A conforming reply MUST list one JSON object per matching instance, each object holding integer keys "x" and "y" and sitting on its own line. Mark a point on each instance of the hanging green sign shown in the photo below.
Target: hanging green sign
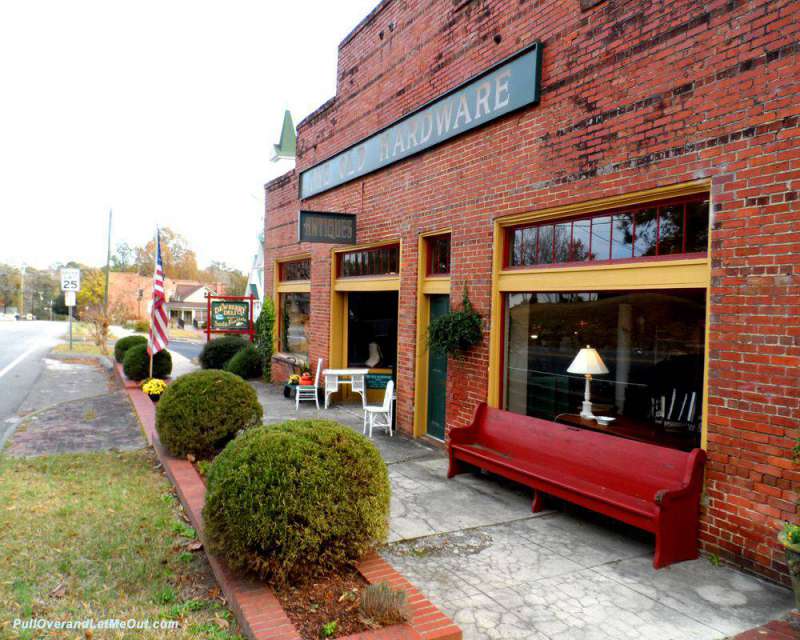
{"x": 230, "y": 315}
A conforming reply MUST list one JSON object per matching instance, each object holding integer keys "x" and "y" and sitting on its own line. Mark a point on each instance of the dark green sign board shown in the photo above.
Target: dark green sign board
{"x": 230, "y": 315}
{"x": 510, "y": 85}
{"x": 377, "y": 380}
{"x": 327, "y": 227}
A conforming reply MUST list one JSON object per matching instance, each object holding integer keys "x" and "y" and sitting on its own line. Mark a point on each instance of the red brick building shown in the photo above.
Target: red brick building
{"x": 638, "y": 193}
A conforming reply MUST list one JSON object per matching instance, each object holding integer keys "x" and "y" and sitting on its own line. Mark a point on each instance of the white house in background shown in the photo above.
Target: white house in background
{"x": 255, "y": 281}
{"x": 188, "y": 306}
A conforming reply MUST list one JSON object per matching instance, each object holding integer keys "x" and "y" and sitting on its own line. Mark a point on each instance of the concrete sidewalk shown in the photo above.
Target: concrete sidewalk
{"x": 472, "y": 545}
{"x": 75, "y": 406}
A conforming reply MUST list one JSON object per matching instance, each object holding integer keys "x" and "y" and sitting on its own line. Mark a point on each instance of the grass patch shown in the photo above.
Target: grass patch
{"x": 86, "y": 348}
{"x": 100, "y": 536}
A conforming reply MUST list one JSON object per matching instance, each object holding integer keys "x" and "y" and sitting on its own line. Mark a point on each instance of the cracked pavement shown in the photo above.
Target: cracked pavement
{"x": 472, "y": 545}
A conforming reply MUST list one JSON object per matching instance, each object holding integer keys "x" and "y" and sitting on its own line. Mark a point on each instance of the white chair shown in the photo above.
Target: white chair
{"x": 380, "y": 415}
{"x": 307, "y": 391}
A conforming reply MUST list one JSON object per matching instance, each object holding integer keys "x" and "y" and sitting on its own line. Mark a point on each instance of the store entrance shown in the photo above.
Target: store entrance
{"x": 437, "y": 375}
{"x": 372, "y": 337}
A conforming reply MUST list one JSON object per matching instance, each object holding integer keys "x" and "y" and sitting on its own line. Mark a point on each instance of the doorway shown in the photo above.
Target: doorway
{"x": 437, "y": 375}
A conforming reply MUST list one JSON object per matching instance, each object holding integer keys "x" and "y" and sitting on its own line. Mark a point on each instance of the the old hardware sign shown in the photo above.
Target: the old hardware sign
{"x": 325, "y": 226}
{"x": 509, "y": 85}
{"x": 230, "y": 314}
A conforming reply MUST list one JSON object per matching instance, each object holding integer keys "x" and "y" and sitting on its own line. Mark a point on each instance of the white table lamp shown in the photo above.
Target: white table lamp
{"x": 588, "y": 363}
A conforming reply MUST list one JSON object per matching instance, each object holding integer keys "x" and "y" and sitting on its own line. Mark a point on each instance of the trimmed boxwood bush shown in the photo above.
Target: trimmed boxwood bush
{"x": 123, "y": 344}
{"x": 297, "y": 500}
{"x": 217, "y": 352}
{"x": 136, "y": 363}
{"x": 246, "y": 363}
{"x": 201, "y": 411}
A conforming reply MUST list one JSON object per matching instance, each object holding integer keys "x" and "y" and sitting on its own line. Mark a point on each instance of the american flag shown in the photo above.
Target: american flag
{"x": 159, "y": 338}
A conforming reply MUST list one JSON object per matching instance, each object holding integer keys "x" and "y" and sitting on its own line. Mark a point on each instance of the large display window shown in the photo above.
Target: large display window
{"x": 295, "y": 315}
{"x": 651, "y": 342}
{"x": 372, "y": 329}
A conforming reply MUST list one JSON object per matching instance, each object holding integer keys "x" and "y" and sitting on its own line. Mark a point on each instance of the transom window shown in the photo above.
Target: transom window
{"x": 439, "y": 255}
{"x": 651, "y": 230}
{"x": 295, "y": 270}
{"x": 375, "y": 261}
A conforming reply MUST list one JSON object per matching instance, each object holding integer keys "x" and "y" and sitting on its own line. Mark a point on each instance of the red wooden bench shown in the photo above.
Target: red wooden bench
{"x": 648, "y": 486}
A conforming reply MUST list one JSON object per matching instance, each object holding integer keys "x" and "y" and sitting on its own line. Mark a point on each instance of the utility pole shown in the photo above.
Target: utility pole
{"x": 22, "y": 291}
{"x": 108, "y": 263}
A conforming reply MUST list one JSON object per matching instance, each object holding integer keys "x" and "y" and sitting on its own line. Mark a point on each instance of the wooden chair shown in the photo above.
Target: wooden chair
{"x": 380, "y": 415}
{"x": 307, "y": 391}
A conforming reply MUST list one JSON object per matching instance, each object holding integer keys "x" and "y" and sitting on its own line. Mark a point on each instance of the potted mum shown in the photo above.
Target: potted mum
{"x": 289, "y": 388}
{"x": 154, "y": 388}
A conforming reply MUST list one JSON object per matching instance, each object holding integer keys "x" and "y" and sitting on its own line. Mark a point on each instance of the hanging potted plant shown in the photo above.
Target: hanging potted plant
{"x": 456, "y": 332}
{"x": 154, "y": 388}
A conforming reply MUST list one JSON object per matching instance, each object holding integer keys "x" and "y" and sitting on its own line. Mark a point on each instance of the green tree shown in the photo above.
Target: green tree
{"x": 234, "y": 280}
{"x": 265, "y": 336}
{"x": 9, "y": 286}
{"x": 123, "y": 258}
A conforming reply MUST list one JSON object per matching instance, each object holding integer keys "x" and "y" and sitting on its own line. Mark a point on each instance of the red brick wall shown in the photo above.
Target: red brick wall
{"x": 635, "y": 94}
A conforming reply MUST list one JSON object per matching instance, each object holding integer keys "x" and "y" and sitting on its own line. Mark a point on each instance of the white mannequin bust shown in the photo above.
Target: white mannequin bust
{"x": 374, "y": 355}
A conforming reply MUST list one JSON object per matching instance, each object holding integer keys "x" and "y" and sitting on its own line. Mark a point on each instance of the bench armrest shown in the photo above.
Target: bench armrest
{"x": 467, "y": 435}
{"x": 671, "y": 495}
{"x": 692, "y": 480}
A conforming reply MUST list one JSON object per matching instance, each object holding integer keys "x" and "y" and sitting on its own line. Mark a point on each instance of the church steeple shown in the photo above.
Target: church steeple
{"x": 286, "y": 146}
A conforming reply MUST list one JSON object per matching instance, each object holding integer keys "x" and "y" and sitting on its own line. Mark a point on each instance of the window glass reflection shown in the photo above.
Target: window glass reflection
{"x": 652, "y": 343}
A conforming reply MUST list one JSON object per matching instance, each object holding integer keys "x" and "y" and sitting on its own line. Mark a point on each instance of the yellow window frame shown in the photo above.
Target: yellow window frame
{"x": 288, "y": 286}
{"x": 666, "y": 273}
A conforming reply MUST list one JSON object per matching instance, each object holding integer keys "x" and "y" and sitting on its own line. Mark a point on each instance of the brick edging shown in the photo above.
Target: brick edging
{"x": 257, "y": 610}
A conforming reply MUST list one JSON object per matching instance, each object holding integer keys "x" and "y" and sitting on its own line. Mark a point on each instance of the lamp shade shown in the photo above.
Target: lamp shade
{"x": 587, "y": 361}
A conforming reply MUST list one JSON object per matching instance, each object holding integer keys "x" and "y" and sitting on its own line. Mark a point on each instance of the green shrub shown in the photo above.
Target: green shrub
{"x": 123, "y": 344}
{"x": 136, "y": 363}
{"x": 201, "y": 411}
{"x": 217, "y": 352}
{"x": 297, "y": 500}
{"x": 142, "y": 326}
{"x": 246, "y": 363}
{"x": 265, "y": 336}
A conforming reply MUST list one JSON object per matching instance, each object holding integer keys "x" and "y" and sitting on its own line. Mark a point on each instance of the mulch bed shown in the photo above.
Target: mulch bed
{"x": 324, "y": 601}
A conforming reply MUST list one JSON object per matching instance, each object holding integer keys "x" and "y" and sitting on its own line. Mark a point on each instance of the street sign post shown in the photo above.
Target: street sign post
{"x": 70, "y": 285}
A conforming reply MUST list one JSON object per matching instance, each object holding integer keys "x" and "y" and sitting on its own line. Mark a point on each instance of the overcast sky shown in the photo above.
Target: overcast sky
{"x": 165, "y": 111}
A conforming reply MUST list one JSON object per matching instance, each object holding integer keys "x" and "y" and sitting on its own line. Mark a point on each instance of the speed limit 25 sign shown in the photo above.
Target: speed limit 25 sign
{"x": 70, "y": 279}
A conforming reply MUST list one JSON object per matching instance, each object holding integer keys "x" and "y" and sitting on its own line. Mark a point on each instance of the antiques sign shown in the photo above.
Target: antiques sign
{"x": 228, "y": 315}
{"x": 506, "y": 87}
{"x": 324, "y": 226}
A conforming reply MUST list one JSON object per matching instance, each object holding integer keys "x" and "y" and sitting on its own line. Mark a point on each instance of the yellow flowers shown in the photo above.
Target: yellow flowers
{"x": 154, "y": 387}
{"x": 294, "y": 379}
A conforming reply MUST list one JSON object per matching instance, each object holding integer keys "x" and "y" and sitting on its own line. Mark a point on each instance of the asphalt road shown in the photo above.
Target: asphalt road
{"x": 187, "y": 349}
{"x": 22, "y": 347}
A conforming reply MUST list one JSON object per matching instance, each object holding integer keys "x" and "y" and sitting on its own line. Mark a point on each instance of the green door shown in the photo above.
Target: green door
{"x": 437, "y": 375}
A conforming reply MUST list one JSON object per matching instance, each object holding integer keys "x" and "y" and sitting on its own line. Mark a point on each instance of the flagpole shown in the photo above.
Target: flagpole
{"x": 152, "y": 301}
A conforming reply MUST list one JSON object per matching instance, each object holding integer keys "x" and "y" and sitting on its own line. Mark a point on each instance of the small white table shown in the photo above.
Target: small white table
{"x": 354, "y": 377}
